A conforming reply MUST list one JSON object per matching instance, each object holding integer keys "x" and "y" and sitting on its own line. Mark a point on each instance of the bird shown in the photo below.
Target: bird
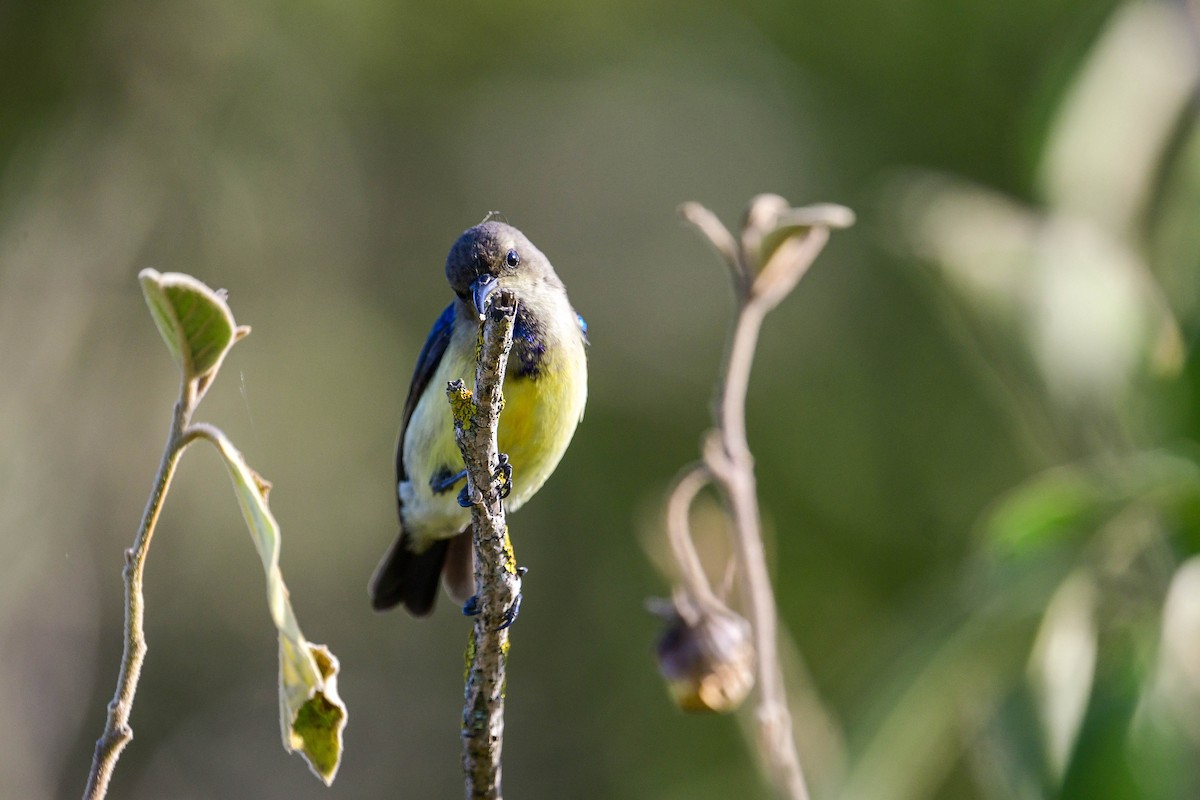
{"x": 545, "y": 391}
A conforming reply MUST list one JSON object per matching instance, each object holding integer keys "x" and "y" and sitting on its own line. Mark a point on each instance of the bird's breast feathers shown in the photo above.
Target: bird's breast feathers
{"x": 544, "y": 396}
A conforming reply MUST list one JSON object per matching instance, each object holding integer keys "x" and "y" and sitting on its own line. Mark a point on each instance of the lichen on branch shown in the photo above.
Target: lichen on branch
{"x": 497, "y": 579}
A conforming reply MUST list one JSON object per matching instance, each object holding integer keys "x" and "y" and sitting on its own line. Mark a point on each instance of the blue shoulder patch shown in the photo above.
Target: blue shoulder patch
{"x": 582, "y": 327}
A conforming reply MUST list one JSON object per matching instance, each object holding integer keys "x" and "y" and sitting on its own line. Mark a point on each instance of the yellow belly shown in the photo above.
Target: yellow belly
{"x": 536, "y": 425}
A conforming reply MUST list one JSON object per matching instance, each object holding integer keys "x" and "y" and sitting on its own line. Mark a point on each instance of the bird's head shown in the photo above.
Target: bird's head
{"x": 492, "y": 256}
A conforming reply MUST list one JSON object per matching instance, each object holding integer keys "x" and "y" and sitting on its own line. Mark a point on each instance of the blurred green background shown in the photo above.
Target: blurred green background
{"x": 972, "y": 422}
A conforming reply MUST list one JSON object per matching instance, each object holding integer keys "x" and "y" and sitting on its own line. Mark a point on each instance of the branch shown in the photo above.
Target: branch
{"x": 679, "y": 503}
{"x": 198, "y": 329}
{"x": 497, "y": 580}
{"x": 777, "y": 246}
{"x": 117, "y": 732}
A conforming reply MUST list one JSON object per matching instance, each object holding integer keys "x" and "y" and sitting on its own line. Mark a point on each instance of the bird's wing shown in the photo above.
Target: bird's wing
{"x": 427, "y": 364}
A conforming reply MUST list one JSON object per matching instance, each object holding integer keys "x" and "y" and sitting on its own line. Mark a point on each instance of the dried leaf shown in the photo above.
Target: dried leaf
{"x": 312, "y": 715}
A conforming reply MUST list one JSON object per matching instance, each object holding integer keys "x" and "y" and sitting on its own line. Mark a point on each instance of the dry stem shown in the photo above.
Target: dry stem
{"x": 497, "y": 582}
{"x": 117, "y": 731}
{"x": 728, "y": 462}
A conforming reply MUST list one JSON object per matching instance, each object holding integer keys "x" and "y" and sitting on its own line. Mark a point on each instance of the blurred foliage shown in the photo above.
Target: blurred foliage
{"x": 973, "y": 424}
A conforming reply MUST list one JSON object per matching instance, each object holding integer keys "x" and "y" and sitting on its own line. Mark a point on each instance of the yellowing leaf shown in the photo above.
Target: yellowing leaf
{"x": 312, "y": 715}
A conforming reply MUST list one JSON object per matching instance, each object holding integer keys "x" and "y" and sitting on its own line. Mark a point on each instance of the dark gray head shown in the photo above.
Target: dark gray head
{"x": 494, "y": 256}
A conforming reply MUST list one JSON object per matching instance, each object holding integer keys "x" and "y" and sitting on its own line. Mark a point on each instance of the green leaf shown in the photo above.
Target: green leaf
{"x": 194, "y": 321}
{"x": 312, "y": 715}
{"x": 1048, "y": 508}
{"x": 1068, "y": 503}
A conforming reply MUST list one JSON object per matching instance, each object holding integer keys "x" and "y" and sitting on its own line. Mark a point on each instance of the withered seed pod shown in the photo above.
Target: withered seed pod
{"x": 705, "y": 654}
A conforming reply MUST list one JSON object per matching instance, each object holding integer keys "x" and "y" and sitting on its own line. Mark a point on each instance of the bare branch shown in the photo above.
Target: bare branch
{"x": 117, "y": 731}
{"x": 497, "y": 581}
{"x": 679, "y": 531}
{"x": 776, "y": 247}
{"x": 721, "y": 240}
{"x": 733, "y": 470}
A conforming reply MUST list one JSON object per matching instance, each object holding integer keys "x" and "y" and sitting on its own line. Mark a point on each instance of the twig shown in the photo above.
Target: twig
{"x": 776, "y": 248}
{"x": 117, "y": 732}
{"x": 733, "y": 469}
{"x": 497, "y": 581}
{"x": 198, "y": 328}
{"x": 679, "y": 503}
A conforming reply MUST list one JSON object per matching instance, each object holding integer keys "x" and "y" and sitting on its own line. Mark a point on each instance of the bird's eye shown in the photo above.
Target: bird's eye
{"x": 512, "y": 259}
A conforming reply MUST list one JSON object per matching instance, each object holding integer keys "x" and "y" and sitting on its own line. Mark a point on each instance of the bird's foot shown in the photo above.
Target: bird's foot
{"x": 510, "y": 613}
{"x": 503, "y": 475}
{"x": 472, "y": 609}
{"x": 444, "y": 481}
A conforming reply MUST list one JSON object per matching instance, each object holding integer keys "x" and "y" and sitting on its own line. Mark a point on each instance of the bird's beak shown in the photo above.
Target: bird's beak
{"x": 481, "y": 289}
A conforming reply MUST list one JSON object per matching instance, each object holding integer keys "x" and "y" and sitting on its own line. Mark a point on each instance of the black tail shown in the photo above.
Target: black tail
{"x": 407, "y": 577}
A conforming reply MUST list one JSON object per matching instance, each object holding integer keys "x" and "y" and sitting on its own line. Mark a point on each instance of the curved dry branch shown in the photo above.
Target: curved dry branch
{"x": 776, "y": 247}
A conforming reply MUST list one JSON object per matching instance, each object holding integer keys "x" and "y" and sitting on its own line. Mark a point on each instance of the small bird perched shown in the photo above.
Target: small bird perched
{"x": 545, "y": 390}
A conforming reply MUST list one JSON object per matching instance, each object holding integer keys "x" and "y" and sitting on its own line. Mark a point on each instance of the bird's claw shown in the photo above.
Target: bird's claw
{"x": 503, "y": 475}
{"x": 472, "y": 608}
{"x": 510, "y": 613}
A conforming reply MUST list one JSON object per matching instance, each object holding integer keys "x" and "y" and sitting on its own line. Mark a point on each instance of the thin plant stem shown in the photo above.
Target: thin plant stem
{"x": 679, "y": 503}
{"x": 777, "y": 246}
{"x": 731, "y": 407}
{"x": 117, "y": 731}
{"x": 733, "y": 468}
